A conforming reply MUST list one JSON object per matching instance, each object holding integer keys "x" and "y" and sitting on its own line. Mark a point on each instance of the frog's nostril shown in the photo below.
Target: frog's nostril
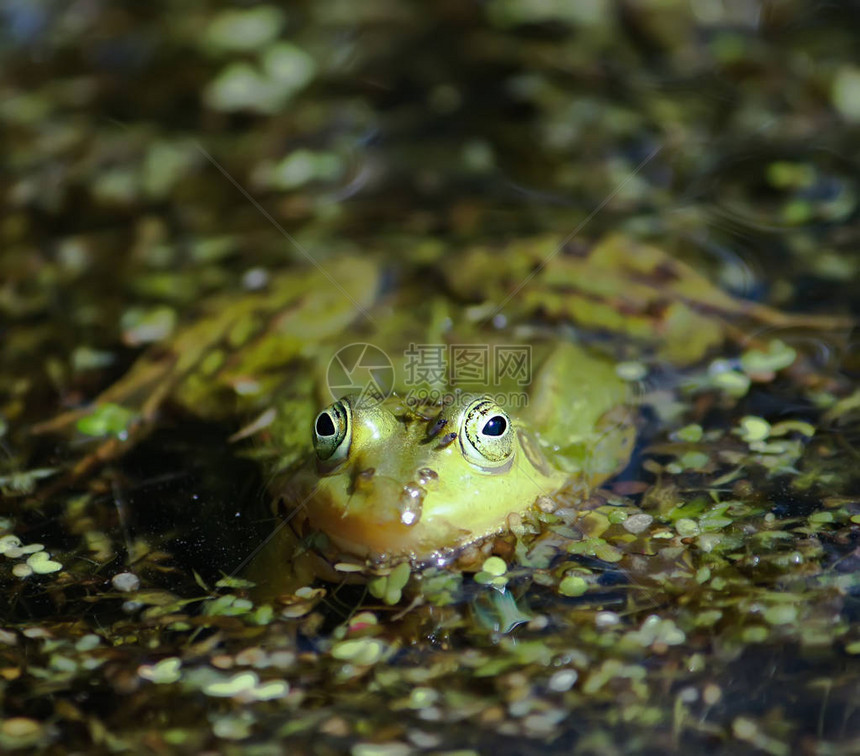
{"x": 363, "y": 480}
{"x": 435, "y": 429}
{"x": 427, "y": 475}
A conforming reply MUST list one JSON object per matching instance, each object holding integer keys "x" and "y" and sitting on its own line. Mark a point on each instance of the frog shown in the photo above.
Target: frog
{"x": 412, "y": 481}
{"x": 394, "y": 478}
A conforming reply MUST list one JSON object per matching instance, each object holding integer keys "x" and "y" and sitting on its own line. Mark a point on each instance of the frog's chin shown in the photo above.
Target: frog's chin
{"x": 382, "y": 538}
{"x": 374, "y": 530}
{"x": 376, "y": 523}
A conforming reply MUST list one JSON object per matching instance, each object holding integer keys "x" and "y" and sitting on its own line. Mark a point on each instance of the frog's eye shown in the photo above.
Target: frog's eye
{"x": 332, "y": 432}
{"x": 487, "y": 434}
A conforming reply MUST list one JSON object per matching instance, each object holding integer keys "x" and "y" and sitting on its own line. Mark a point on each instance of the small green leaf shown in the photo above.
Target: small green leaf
{"x": 163, "y": 673}
{"x": 690, "y": 433}
{"x": 107, "y": 420}
{"x": 572, "y": 585}
{"x": 363, "y": 651}
{"x": 495, "y": 566}
{"x": 754, "y": 429}
{"x": 777, "y": 356}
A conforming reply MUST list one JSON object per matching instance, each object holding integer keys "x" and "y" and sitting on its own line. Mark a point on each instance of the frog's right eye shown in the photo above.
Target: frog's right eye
{"x": 332, "y": 432}
{"x": 487, "y": 437}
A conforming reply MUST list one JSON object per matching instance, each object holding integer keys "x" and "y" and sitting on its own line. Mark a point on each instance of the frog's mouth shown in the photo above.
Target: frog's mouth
{"x": 384, "y": 519}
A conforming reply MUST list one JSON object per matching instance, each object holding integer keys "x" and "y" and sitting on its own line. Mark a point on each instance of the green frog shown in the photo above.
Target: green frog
{"x": 395, "y": 478}
{"x": 400, "y": 477}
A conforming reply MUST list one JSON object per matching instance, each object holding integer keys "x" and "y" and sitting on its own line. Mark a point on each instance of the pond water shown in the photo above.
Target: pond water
{"x": 204, "y": 203}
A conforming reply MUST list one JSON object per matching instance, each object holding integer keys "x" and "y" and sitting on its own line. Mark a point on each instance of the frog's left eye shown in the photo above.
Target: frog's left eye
{"x": 487, "y": 434}
{"x": 332, "y": 432}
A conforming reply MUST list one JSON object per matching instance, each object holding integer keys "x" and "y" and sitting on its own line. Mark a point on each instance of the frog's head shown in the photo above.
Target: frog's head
{"x": 393, "y": 480}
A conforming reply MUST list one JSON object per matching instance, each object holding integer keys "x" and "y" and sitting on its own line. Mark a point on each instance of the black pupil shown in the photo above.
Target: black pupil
{"x": 495, "y": 426}
{"x": 325, "y": 425}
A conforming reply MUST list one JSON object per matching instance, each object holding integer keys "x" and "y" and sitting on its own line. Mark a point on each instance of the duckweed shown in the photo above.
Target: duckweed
{"x": 107, "y": 420}
{"x": 164, "y": 672}
{"x": 390, "y": 587}
{"x": 164, "y": 161}
{"x": 364, "y": 651}
{"x": 42, "y": 564}
{"x": 572, "y": 585}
